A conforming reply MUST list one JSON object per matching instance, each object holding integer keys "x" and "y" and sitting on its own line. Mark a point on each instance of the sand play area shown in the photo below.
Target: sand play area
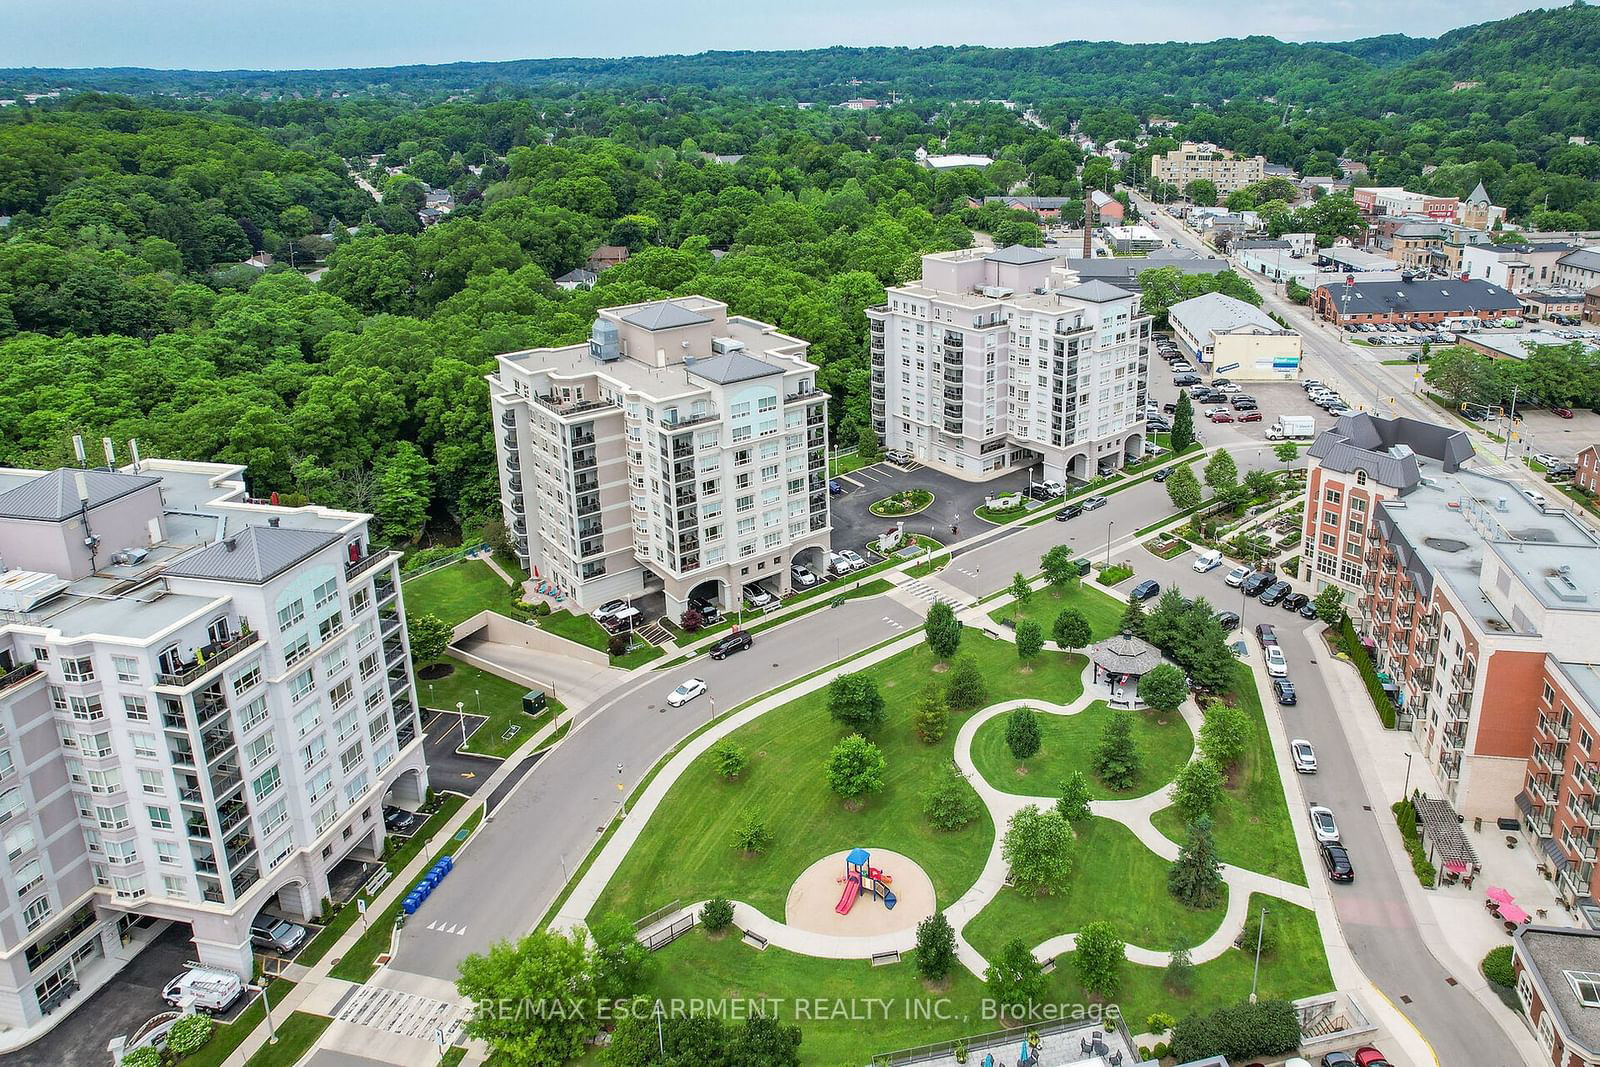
{"x": 815, "y": 895}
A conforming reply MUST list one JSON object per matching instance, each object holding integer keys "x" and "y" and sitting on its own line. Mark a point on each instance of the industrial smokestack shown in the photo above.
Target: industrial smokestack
{"x": 1088, "y": 223}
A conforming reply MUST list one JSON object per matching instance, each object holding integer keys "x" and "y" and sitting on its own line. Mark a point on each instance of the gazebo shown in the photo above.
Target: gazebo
{"x": 1119, "y": 663}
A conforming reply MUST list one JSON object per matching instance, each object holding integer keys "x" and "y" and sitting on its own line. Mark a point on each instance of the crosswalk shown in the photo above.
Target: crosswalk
{"x": 923, "y": 591}
{"x": 405, "y": 1014}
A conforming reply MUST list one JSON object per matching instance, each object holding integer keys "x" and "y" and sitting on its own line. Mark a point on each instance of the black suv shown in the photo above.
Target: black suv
{"x": 1228, "y": 620}
{"x": 1336, "y": 861}
{"x": 1254, "y": 584}
{"x": 1284, "y": 690}
{"x": 1275, "y": 593}
{"x": 1069, "y": 511}
{"x": 734, "y": 642}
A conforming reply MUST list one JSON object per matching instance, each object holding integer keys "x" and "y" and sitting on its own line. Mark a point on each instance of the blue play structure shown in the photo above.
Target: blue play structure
{"x": 429, "y": 882}
{"x": 861, "y": 877}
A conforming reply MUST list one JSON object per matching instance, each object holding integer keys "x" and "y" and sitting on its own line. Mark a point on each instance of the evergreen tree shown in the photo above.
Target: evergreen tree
{"x": 1116, "y": 761}
{"x": 1074, "y": 802}
{"x": 966, "y": 689}
{"x": 932, "y": 718}
{"x": 1132, "y": 621}
{"x": 942, "y": 630}
{"x": 1195, "y": 877}
{"x": 1022, "y": 733}
{"x": 1183, "y": 422}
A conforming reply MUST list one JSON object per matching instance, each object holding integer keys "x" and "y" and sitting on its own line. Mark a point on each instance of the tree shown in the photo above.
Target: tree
{"x": 1038, "y": 849}
{"x": 1097, "y": 958}
{"x": 1116, "y": 760}
{"x": 1030, "y": 640}
{"x": 1182, "y": 435}
{"x": 932, "y": 717}
{"x": 717, "y": 915}
{"x": 1164, "y": 688}
{"x": 1073, "y": 804}
{"x": 1222, "y": 473}
{"x": 1133, "y": 618}
{"x": 855, "y": 768}
{"x": 936, "y": 948}
{"x": 1071, "y": 629}
{"x": 1198, "y": 789}
{"x": 854, "y": 701}
{"x": 622, "y": 964}
{"x": 950, "y": 802}
{"x": 1287, "y": 452}
{"x": 729, "y": 758}
{"x": 402, "y": 486}
{"x": 1014, "y": 977}
{"x": 1202, "y": 191}
{"x": 1022, "y": 733}
{"x": 692, "y": 621}
{"x": 1183, "y": 488}
{"x": 1330, "y": 605}
{"x": 429, "y": 637}
{"x": 542, "y": 968}
{"x": 1195, "y": 877}
{"x": 1239, "y": 1032}
{"x": 1021, "y": 591}
{"x": 967, "y": 689}
{"x": 1224, "y": 733}
{"x": 641, "y": 1039}
{"x": 942, "y": 630}
{"x": 1179, "y": 976}
{"x": 1059, "y": 570}
{"x": 751, "y": 836}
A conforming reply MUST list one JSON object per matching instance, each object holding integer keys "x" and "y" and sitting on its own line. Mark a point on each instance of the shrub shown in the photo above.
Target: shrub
{"x": 1369, "y": 674}
{"x": 142, "y": 1057}
{"x": 1405, "y": 816}
{"x": 1254, "y": 927}
{"x": 542, "y": 608}
{"x": 717, "y": 915}
{"x": 1497, "y": 967}
{"x": 730, "y": 759}
{"x": 1240, "y": 1032}
{"x": 691, "y": 621}
{"x": 618, "y": 644}
{"x": 950, "y": 803}
{"x": 1073, "y": 803}
{"x": 752, "y": 835}
{"x": 189, "y": 1033}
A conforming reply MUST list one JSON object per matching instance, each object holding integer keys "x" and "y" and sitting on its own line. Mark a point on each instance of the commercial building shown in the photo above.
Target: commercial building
{"x": 1413, "y": 300}
{"x": 1518, "y": 267}
{"x": 1236, "y": 339}
{"x": 1192, "y": 162}
{"x": 203, "y": 702}
{"x": 680, "y": 448}
{"x": 1124, "y": 271}
{"x": 1108, "y": 210}
{"x": 1517, "y": 345}
{"x": 1393, "y": 200}
{"x": 1558, "y": 987}
{"x": 1579, "y": 270}
{"x": 1591, "y": 305}
{"x": 1135, "y": 238}
{"x": 1552, "y": 303}
{"x": 995, "y": 360}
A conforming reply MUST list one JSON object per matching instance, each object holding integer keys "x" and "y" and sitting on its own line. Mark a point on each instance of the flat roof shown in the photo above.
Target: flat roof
{"x": 1552, "y": 953}
{"x": 1515, "y": 345}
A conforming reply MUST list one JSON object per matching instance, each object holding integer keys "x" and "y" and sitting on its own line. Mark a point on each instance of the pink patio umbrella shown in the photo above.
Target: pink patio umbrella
{"x": 1498, "y": 895}
{"x": 1513, "y": 914}
{"x": 1456, "y": 867}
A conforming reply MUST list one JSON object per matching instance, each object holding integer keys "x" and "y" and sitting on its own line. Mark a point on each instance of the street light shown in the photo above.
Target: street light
{"x": 1109, "y": 524}
{"x": 1405, "y": 790}
{"x": 272, "y": 1027}
{"x": 1261, "y": 928}
{"x": 461, "y": 711}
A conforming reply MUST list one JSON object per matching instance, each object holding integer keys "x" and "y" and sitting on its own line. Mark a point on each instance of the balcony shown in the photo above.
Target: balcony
{"x": 510, "y": 441}
{"x": 513, "y": 464}
{"x": 876, "y": 325}
{"x": 207, "y": 660}
{"x": 953, "y": 427}
{"x": 877, "y": 376}
{"x": 580, "y": 438}
{"x": 18, "y": 675}
{"x": 217, "y": 745}
{"x": 232, "y": 815}
{"x": 240, "y": 849}
{"x": 588, "y": 505}
{"x": 567, "y": 408}
{"x": 182, "y": 756}
{"x": 584, "y": 459}
{"x": 198, "y": 829}
{"x": 803, "y": 395}
{"x": 244, "y": 878}
{"x": 384, "y": 589}
{"x": 406, "y": 733}
{"x": 518, "y": 507}
{"x": 694, "y": 418}
{"x": 508, "y": 419}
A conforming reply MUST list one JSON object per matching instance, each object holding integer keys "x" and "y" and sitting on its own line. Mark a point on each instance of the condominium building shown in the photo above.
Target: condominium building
{"x": 998, "y": 359}
{"x": 1191, "y": 162}
{"x": 680, "y": 448}
{"x": 203, "y": 702}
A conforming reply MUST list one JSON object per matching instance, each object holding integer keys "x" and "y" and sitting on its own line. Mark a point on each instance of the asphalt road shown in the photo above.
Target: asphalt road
{"x": 504, "y": 883}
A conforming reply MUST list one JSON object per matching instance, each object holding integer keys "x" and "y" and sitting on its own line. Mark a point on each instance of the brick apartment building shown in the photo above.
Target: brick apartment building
{"x": 1558, "y": 987}
{"x": 1413, "y": 300}
{"x": 1588, "y": 464}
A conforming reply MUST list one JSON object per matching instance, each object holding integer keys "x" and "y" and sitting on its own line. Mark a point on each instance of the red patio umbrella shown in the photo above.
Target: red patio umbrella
{"x": 1513, "y": 914}
{"x": 1498, "y": 895}
{"x": 1456, "y": 867}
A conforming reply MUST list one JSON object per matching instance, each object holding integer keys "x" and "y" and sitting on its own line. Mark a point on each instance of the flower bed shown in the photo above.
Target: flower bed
{"x": 905, "y": 502}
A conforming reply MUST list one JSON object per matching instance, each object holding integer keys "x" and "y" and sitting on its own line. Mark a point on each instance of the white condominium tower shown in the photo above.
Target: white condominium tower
{"x": 997, "y": 359}
{"x": 680, "y": 448}
{"x": 203, "y": 702}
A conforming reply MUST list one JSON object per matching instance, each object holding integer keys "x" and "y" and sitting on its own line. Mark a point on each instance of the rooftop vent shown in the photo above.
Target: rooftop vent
{"x": 724, "y": 345}
{"x": 22, "y": 591}
{"x": 1562, "y": 585}
{"x": 997, "y": 292}
{"x": 1502, "y": 504}
{"x": 604, "y": 344}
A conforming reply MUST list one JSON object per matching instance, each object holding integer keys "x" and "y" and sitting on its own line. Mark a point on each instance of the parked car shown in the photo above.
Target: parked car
{"x": 1221, "y": 416}
{"x": 1294, "y": 602}
{"x": 1105, "y": 468}
{"x": 1323, "y": 825}
{"x": 1254, "y": 584}
{"x": 1277, "y": 662}
{"x": 1304, "y": 756}
{"x": 1336, "y": 861}
{"x": 1547, "y": 459}
{"x": 1169, "y": 408}
{"x": 1311, "y": 383}
{"x": 1226, "y": 386}
{"x": 707, "y": 609}
{"x": 609, "y": 610}
{"x": 1266, "y": 634}
{"x": 1273, "y": 595}
{"x": 1039, "y": 491}
{"x": 1228, "y": 620}
{"x": 1069, "y": 511}
{"x": 1163, "y": 474}
{"x": 691, "y": 688}
{"x": 802, "y": 576}
{"x": 834, "y": 487}
{"x": 206, "y": 990}
{"x": 1208, "y": 560}
{"x": 1090, "y": 503}
{"x": 758, "y": 597}
{"x": 737, "y": 641}
{"x": 1283, "y": 689}
{"x": 1308, "y": 610}
{"x": 898, "y": 456}
{"x": 854, "y": 557}
{"x": 1367, "y": 1056}
{"x": 1157, "y": 424}
{"x": 1536, "y": 498}
{"x": 277, "y": 934}
{"x": 839, "y": 563}
{"x": 1185, "y": 379}
{"x": 1250, "y": 415}
{"x": 1145, "y": 590}
{"x": 1237, "y": 576}
{"x": 1561, "y": 413}
{"x": 398, "y": 820}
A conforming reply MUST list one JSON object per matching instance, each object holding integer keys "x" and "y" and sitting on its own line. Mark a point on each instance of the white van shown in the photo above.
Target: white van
{"x": 1208, "y": 560}
{"x": 203, "y": 989}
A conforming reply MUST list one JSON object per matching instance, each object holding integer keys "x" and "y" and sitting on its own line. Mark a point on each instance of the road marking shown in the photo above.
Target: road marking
{"x": 852, "y": 481}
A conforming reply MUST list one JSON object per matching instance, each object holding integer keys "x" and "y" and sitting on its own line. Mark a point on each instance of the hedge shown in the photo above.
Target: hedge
{"x": 1239, "y": 1031}
{"x": 1405, "y": 817}
{"x": 1369, "y": 674}
{"x": 1497, "y": 967}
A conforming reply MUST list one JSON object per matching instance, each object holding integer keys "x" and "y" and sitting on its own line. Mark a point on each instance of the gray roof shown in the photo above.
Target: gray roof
{"x": 664, "y": 315}
{"x": 1419, "y": 229}
{"x": 1219, "y": 313}
{"x": 1583, "y": 259}
{"x": 1260, "y": 242}
{"x": 1125, "y": 654}
{"x": 1479, "y": 195}
{"x": 730, "y": 367}
{"x": 1387, "y": 449}
{"x": 1550, "y": 952}
{"x": 53, "y": 496}
{"x": 1019, "y": 255}
{"x": 255, "y": 554}
{"x": 1423, "y": 296}
{"x": 1038, "y": 203}
{"x": 1096, "y": 292}
{"x": 1124, "y": 271}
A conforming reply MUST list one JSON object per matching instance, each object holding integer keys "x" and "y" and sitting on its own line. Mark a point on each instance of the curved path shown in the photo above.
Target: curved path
{"x": 1133, "y": 813}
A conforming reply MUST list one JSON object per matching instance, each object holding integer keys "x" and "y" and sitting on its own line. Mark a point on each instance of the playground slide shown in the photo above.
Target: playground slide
{"x": 852, "y": 889}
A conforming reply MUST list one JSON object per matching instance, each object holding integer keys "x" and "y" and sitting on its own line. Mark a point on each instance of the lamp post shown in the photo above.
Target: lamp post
{"x": 461, "y": 713}
{"x": 1109, "y": 524}
{"x": 1405, "y": 790}
{"x": 1261, "y": 928}
{"x": 661, "y": 1044}
{"x": 272, "y": 1027}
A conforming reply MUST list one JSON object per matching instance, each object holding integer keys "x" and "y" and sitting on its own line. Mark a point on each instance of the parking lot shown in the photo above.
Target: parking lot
{"x": 1273, "y": 399}
{"x": 953, "y": 502}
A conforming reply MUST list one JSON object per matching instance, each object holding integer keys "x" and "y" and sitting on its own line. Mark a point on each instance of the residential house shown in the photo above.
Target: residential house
{"x": 604, "y": 257}
{"x": 1588, "y": 464}
{"x": 1108, "y": 209}
{"x": 1591, "y": 305}
{"x": 577, "y": 278}
{"x": 1558, "y": 987}
{"x": 1045, "y": 207}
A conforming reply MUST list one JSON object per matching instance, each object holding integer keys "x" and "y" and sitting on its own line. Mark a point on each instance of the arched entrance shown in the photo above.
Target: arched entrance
{"x": 1078, "y": 467}
{"x": 408, "y": 790}
{"x": 1133, "y": 447}
{"x": 814, "y": 558}
{"x": 712, "y": 592}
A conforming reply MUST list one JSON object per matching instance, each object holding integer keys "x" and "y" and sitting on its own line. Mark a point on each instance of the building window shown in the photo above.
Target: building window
{"x": 126, "y": 667}
{"x": 1549, "y": 694}
{"x": 290, "y": 614}
{"x": 160, "y": 818}
{"x": 136, "y": 708}
{"x": 246, "y": 679}
{"x": 325, "y": 593}
{"x": 78, "y": 669}
{"x": 267, "y": 783}
{"x": 253, "y": 714}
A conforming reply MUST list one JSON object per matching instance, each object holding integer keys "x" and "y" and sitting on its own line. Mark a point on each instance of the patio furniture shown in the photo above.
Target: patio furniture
{"x": 1498, "y": 895}
{"x": 1511, "y": 841}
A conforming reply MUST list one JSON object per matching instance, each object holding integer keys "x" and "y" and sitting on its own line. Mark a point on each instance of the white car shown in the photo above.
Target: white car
{"x": 758, "y": 597}
{"x": 1537, "y": 498}
{"x": 1237, "y": 576}
{"x": 1323, "y": 825}
{"x": 1548, "y": 459}
{"x": 1277, "y": 662}
{"x": 839, "y": 563}
{"x": 1230, "y": 387}
{"x": 1305, "y": 757}
{"x": 1208, "y": 560}
{"x": 802, "y": 577}
{"x": 686, "y": 692}
{"x": 855, "y": 560}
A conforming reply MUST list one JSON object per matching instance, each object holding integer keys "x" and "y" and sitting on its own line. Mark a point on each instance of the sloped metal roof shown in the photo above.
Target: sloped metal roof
{"x": 53, "y": 496}
{"x": 730, "y": 367}
{"x": 664, "y": 316}
{"x": 254, "y": 555}
{"x": 1019, "y": 255}
{"x": 1096, "y": 292}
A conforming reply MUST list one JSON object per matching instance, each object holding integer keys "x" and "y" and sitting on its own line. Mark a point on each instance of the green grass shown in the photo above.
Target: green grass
{"x": 1068, "y": 744}
{"x": 1114, "y": 574}
{"x": 686, "y": 851}
{"x": 1103, "y": 613}
{"x": 459, "y": 591}
{"x": 579, "y": 628}
{"x": 844, "y": 464}
{"x": 498, "y": 698}
{"x": 295, "y": 1038}
{"x": 1176, "y": 547}
{"x": 358, "y": 964}
{"x": 1000, "y": 516}
{"x": 905, "y": 502}
{"x": 453, "y": 1057}
{"x": 229, "y": 1036}
{"x": 1252, "y": 821}
{"x": 1114, "y": 877}
{"x": 641, "y": 654}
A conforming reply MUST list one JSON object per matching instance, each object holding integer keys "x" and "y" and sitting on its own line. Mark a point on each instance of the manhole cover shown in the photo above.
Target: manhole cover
{"x": 1366, "y": 807}
{"x": 1404, "y": 999}
{"x": 1449, "y": 981}
{"x": 774, "y": 664}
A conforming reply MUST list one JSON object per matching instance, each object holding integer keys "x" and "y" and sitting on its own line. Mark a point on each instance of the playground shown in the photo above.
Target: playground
{"x": 840, "y": 894}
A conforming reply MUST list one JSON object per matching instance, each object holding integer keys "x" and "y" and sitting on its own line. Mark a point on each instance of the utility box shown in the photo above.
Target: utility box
{"x": 533, "y": 701}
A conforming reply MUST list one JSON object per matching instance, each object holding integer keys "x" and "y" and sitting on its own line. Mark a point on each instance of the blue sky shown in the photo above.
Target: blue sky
{"x": 278, "y": 34}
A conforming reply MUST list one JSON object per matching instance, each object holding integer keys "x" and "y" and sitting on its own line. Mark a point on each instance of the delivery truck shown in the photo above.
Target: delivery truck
{"x": 1292, "y": 428}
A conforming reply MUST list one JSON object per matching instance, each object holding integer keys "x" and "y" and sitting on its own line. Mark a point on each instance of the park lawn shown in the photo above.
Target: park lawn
{"x": 1103, "y": 612}
{"x": 295, "y": 1038}
{"x": 1114, "y": 877}
{"x": 229, "y": 1036}
{"x": 490, "y": 695}
{"x": 1068, "y": 743}
{"x": 458, "y": 592}
{"x": 1251, "y": 823}
{"x": 686, "y": 851}
{"x": 852, "y": 461}
{"x": 580, "y": 628}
